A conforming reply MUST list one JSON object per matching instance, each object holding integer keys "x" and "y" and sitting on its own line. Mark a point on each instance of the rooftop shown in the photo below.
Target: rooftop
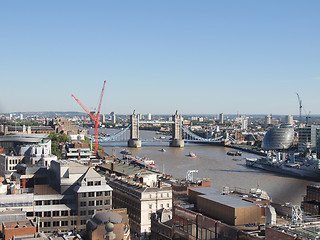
{"x": 228, "y": 200}
{"x": 26, "y": 138}
{"x": 18, "y": 224}
{"x": 216, "y": 196}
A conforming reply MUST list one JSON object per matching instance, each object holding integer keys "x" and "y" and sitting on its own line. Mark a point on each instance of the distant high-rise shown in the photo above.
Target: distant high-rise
{"x": 113, "y": 117}
{"x": 289, "y": 119}
{"x": 103, "y": 118}
{"x": 221, "y": 118}
{"x": 244, "y": 123}
{"x": 21, "y": 116}
{"x": 267, "y": 120}
{"x": 149, "y": 116}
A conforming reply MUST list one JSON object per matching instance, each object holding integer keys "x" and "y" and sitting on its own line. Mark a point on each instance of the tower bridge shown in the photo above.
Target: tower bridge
{"x": 180, "y": 134}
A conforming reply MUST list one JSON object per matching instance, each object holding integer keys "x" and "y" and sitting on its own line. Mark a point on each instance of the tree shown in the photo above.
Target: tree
{"x": 57, "y": 139}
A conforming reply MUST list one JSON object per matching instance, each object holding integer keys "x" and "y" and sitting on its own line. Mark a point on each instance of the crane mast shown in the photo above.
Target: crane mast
{"x": 300, "y": 107}
{"x": 94, "y": 117}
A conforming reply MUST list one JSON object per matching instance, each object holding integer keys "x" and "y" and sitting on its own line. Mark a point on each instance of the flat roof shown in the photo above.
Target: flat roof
{"x": 216, "y": 196}
{"x": 228, "y": 200}
{"x": 18, "y": 224}
{"x": 205, "y": 190}
{"x": 28, "y": 138}
{"x": 98, "y": 188}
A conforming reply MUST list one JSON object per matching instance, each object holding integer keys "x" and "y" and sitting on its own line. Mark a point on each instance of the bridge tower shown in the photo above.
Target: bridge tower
{"x": 177, "y": 140}
{"x": 134, "y": 131}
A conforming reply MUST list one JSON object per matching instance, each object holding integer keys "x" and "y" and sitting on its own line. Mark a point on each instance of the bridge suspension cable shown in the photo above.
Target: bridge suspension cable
{"x": 196, "y": 137}
{"x": 118, "y": 135}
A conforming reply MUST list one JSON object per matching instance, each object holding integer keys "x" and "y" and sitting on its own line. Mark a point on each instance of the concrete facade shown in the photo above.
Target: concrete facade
{"x": 141, "y": 201}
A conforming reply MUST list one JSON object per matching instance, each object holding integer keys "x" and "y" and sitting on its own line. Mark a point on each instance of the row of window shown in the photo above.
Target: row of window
{"x": 161, "y": 195}
{"x": 161, "y": 206}
{"x": 95, "y": 194}
{"x": 53, "y": 213}
{"x": 13, "y": 161}
{"x": 53, "y": 202}
{"x": 95, "y": 203}
{"x": 93, "y": 183}
{"x": 84, "y": 213}
{"x": 62, "y": 223}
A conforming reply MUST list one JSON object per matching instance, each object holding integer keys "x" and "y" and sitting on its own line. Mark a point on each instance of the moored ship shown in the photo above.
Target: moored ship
{"x": 307, "y": 167}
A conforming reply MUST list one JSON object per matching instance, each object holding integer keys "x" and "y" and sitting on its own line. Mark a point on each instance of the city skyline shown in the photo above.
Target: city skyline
{"x": 248, "y": 57}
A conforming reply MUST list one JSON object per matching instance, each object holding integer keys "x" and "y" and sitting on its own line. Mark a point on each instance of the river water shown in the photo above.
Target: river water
{"x": 213, "y": 162}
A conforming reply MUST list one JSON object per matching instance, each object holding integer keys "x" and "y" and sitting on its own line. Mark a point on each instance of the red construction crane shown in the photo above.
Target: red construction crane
{"x": 94, "y": 117}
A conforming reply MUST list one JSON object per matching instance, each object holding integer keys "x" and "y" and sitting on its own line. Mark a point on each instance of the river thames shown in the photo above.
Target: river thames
{"x": 213, "y": 162}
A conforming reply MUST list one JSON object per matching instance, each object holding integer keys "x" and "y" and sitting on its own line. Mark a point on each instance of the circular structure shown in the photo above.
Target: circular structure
{"x": 278, "y": 138}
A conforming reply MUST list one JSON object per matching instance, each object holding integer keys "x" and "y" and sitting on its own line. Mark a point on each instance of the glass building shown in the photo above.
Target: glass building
{"x": 278, "y": 138}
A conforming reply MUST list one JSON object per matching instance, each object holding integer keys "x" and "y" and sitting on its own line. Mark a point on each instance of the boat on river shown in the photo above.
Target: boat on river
{"x": 234, "y": 153}
{"x": 306, "y": 168}
{"x": 191, "y": 154}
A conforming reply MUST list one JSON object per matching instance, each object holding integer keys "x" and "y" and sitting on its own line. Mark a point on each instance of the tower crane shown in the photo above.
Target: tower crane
{"x": 94, "y": 116}
{"x": 300, "y": 107}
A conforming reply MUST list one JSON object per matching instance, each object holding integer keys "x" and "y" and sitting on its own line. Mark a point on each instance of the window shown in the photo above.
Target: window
{"x": 90, "y": 183}
{"x": 107, "y": 193}
{"x": 83, "y": 222}
{"x": 168, "y": 204}
{"x": 46, "y": 202}
{"x": 149, "y": 216}
{"x": 47, "y": 214}
{"x": 150, "y": 206}
{"x": 106, "y": 202}
{"x": 168, "y": 194}
{"x": 55, "y": 213}
{"x": 91, "y": 203}
{"x": 96, "y": 183}
{"x": 64, "y": 213}
{"x": 64, "y": 223}
{"x": 38, "y": 214}
{"x": 82, "y": 213}
{"x": 99, "y": 202}
{"x": 91, "y": 194}
{"x": 47, "y": 224}
{"x": 55, "y": 223}
{"x": 90, "y": 212}
{"x": 161, "y": 205}
{"x": 83, "y": 204}
{"x": 38, "y": 203}
{"x": 55, "y": 202}
{"x": 83, "y": 195}
{"x": 98, "y": 194}
{"x": 74, "y": 222}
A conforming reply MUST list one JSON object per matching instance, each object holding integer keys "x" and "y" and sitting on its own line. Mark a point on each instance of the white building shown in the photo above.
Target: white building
{"x": 244, "y": 123}
{"x": 141, "y": 199}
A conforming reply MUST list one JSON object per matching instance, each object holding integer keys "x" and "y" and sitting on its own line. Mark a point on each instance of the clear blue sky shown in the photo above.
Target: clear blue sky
{"x": 208, "y": 56}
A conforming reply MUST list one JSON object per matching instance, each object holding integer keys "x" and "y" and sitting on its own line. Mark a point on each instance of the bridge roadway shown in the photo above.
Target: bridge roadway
{"x": 156, "y": 122}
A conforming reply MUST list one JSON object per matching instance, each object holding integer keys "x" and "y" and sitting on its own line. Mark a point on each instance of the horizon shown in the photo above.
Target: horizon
{"x": 164, "y": 114}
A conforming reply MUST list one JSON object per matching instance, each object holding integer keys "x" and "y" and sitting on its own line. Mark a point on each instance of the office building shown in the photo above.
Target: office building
{"x": 308, "y": 138}
{"x": 221, "y": 118}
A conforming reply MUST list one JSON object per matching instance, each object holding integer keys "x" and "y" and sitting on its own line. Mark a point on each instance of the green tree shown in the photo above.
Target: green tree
{"x": 57, "y": 139}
